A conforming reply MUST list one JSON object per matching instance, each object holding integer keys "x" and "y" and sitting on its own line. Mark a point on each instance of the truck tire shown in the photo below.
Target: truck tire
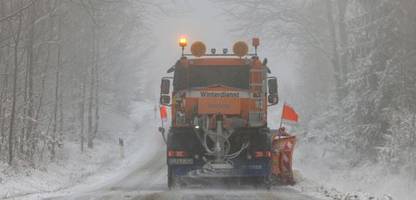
{"x": 267, "y": 183}
{"x": 171, "y": 179}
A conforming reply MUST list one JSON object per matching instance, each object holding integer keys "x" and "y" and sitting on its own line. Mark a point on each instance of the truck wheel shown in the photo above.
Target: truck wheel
{"x": 171, "y": 179}
{"x": 267, "y": 182}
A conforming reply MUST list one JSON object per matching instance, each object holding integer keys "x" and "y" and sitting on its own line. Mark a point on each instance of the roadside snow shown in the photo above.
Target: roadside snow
{"x": 323, "y": 190}
{"x": 325, "y": 174}
{"x": 83, "y": 171}
{"x": 61, "y": 174}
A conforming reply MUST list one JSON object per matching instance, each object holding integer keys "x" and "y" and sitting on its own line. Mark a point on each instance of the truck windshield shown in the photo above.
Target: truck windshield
{"x": 203, "y": 76}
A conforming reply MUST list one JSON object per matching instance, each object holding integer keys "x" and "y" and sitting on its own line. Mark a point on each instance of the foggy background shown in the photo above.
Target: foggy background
{"x": 72, "y": 72}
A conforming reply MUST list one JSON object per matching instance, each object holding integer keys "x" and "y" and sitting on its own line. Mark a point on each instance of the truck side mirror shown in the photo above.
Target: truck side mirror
{"x": 272, "y": 84}
{"x": 165, "y": 100}
{"x": 165, "y": 87}
{"x": 273, "y": 97}
{"x": 165, "y": 91}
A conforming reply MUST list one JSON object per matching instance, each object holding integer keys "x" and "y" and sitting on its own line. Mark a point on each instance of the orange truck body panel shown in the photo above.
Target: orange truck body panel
{"x": 228, "y": 106}
{"x": 216, "y": 61}
{"x": 239, "y": 106}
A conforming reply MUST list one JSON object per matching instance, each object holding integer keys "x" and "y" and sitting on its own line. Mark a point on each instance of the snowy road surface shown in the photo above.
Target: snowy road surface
{"x": 147, "y": 179}
{"x": 148, "y": 183}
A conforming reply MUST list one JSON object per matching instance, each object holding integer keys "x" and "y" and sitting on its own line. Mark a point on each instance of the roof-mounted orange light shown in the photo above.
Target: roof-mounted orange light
{"x": 183, "y": 42}
{"x": 240, "y": 48}
{"x": 198, "y": 49}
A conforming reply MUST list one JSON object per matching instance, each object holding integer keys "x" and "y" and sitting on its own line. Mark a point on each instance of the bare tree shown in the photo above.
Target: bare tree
{"x": 54, "y": 56}
{"x": 14, "y": 93}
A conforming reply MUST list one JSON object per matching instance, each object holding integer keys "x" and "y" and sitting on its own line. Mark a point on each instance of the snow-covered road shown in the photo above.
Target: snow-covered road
{"x": 144, "y": 176}
{"x": 277, "y": 194}
{"x": 148, "y": 182}
{"x": 141, "y": 184}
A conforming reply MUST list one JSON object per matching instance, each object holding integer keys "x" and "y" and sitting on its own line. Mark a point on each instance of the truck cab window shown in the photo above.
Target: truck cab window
{"x": 204, "y": 76}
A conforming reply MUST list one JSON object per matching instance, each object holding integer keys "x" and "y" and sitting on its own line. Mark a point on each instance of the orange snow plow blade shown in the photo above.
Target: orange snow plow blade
{"x": 282, "y": 148}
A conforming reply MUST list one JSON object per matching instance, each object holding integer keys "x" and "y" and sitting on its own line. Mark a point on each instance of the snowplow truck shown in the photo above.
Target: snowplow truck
{"x": 218, "y": 105}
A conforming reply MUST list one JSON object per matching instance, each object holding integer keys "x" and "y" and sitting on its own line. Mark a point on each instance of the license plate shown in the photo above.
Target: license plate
{"x": 181, "y": 161}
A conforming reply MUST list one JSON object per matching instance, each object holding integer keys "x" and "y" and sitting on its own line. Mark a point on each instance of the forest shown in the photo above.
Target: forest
{"x": 57, "y": 74}
{"x": 65, "y": 64}
{"x": 367, "y": 48}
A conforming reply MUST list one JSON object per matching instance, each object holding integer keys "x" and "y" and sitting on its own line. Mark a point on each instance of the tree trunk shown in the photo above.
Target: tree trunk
{"x": 30, "y": 60}
{"x": 3, "y": 87}
{"x": 97, "y": 82}
{"x": 61, "y": 112}
{"x": 343, "y": 38}
{"x": 61, "y": 116}
{"x": 14, "y": 94}
{"x": 82, "y": 113}
{"x": 56, "y": 103}
{"x": 91, "y": 132}
{"x": 90, "y": 108}
{"x": 4, "y": 95}
{"x": 413, "y": 149}
{"x": 97, "y": 107}
{"x": 334, "y": 44}
{"x": 39, "y": 110}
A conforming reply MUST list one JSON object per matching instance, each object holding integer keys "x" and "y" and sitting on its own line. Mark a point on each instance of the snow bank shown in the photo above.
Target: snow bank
{"x": 91, "y": 168}
{"x": 326, "y": 172}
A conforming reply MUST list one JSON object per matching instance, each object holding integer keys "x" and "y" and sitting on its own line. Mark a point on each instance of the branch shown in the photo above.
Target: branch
{"x": 87, "y": 9}
{"x": 17, "y": 12}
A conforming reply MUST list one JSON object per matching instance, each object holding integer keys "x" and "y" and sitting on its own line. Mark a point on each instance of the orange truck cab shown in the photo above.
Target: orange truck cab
{"x": 218, "y": 109}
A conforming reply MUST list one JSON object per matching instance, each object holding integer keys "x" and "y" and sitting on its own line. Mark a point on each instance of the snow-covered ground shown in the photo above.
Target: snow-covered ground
{"x": 83, "y": 171}
{"x": 329, "y": 174}
{"x": 141, "y": 173}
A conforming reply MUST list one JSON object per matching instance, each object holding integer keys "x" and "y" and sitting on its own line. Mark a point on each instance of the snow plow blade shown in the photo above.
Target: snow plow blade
{"x": 282, "y": 154}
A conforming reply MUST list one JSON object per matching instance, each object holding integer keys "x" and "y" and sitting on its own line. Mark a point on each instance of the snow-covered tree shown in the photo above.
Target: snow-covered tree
{"x": 62, "y": 65}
